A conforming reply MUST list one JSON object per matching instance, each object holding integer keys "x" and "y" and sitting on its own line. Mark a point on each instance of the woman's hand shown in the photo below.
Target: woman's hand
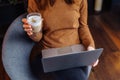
{"x": 90, "y": 48}
{"x": 27, "y": 27}
{"x": 97, "y": 61}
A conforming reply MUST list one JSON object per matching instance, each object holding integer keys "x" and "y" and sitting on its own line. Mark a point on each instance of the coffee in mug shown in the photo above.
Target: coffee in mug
{"x": 35, "y": 20}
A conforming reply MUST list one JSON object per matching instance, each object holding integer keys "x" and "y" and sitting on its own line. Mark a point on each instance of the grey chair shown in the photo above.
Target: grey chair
{"x": 16, "y": 49}
{"x": 15, "y": 52}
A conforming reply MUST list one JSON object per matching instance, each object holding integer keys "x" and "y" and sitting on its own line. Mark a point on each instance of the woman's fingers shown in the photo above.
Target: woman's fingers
{"x": 26, "y": 26}
{"x": 90, "y": 48}
{"x": 28, "y": 30}
{"x": 96, "y": 63}
{"x": 30, "y": 33}
{"x": 24, "y": 20}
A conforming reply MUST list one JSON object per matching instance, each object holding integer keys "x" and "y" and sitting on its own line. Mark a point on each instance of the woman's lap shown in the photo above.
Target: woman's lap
{"x": 79, "y": 73}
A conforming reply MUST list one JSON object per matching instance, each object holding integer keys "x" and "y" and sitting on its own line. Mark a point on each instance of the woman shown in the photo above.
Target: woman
{"x": 65, "y": 24}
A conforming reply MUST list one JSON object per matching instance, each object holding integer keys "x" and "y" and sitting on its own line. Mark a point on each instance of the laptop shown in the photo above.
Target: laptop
{"x": 55, "y": 59}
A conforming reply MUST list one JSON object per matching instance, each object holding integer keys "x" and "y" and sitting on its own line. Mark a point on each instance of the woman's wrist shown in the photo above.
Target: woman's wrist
{"x": 36, "y": 36}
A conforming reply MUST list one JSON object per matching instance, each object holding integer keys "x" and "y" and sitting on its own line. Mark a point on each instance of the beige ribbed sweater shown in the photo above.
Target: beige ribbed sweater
{"x": 63, "y": 24}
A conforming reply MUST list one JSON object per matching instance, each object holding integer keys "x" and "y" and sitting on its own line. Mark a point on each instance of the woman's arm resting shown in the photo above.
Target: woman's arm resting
{"x": 84, "y": 32}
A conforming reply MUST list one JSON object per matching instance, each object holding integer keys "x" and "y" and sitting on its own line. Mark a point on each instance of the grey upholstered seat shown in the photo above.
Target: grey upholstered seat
{"x": 16, "y": 49}
{"x": 15, "y": 52}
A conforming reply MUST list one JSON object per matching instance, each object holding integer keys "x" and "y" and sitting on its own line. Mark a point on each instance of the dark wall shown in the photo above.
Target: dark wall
{"x": 115, "y": 2}
{"x": 107, "y": 4}
{"x": 91, "y": 6}
{"x": 9, "y": 12}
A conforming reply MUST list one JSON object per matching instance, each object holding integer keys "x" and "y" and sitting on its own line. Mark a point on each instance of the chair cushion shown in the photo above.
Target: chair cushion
{"x": 16, "y": 49}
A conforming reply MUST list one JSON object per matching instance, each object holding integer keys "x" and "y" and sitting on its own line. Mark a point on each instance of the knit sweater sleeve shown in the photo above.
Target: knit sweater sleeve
{"x": 84, "y": 32}
{"x": 32, "y": 6}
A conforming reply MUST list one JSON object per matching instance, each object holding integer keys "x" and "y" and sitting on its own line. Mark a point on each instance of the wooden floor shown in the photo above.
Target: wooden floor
{"x": 105, "y": 29}
{"x": 106, "y": 32}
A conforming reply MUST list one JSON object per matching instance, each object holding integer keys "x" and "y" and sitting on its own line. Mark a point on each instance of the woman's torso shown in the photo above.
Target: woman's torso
{"x": 61, "y": 23}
